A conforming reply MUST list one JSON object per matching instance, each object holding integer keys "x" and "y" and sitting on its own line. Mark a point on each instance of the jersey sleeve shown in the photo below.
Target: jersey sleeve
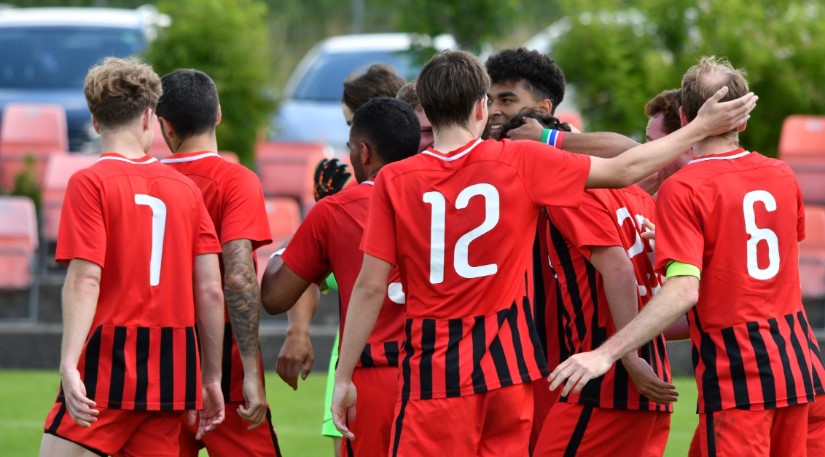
{"x": 207, "y": 241}
{"x": 379, "y": 236}
{"x": 678, "y": 230}
{"x": 800, "y": 216}
{"x": 308, "y": 251}
{"x": 553, "y": 177}
{"x": 82, "y": 230}
{"x": 244, "y": 212}
{"x": 589, "y": 225}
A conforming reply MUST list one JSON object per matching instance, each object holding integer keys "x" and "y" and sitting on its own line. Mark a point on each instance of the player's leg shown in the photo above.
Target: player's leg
{"x": 444, "y": 426}
{"x": 51, "y": 445}
{"x": 233, "y": 439}
{"x": 721, "y": 433}
{"x": 62, "y": 436}
{"x": 816, "y": 427}
{"x": 508, "y": 419}
{"x": 790, "y": 431}
{"x": 327, "y": 428}
{"x": 375, "y": 408}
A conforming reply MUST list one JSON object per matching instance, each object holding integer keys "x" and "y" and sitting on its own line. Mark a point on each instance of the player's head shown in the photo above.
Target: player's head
{"x": 546, "y": 119}
{"x": 663, "y": 119}
{"x": 452, "y": 88}
{"x": 384, "y": 130}
{"x": 408, "y": 94}
{"x": 122, "y": 94}
{"x": 189, "y": 105}
{"x": 522, "y": 79}
{"x": 380, "y": 80}
{"x": 704, "y": 79}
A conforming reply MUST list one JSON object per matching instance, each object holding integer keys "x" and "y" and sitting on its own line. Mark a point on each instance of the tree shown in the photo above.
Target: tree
{"x": 617, "y": 63}
{"x": 227, "y": 39}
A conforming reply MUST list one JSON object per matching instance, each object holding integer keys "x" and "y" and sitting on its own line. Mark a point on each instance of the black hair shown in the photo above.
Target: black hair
{"x": 546, "y": 119}
{"x": 189, "y": 102}
{"x": 390, "y": 126}
{"x": 541, "y": 75}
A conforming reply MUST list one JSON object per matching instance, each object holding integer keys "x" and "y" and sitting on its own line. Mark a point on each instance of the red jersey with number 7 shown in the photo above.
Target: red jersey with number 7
{"x": 143, "y": 223}
{"x": 738, "y": 216}
{"x": 460, "y": 227}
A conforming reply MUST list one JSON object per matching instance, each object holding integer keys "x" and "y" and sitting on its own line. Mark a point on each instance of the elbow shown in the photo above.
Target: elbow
{"x": 210, "y": 295}
{"x": 689, "y": 291}
{"x": 273, "y": 303}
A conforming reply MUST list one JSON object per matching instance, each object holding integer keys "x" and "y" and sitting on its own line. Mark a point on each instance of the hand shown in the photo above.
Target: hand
{"x": 330, "y": 177}
{"x": 212, "y": 413}
{"x": 296, "y": 357}
{"x": 578, "y": 370}
{"x": 531, "y": 130}
{"x": 343, "y": 406}
{"x": 650, "y": 232}
{"x": 74, "y": 396}
{"x": 254, "y": 408}
{"x": 646, "y": 381}
{"x": 721, "y": 117}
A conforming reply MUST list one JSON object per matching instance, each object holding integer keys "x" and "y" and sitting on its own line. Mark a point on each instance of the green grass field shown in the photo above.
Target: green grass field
{"x": 26, "y": 397}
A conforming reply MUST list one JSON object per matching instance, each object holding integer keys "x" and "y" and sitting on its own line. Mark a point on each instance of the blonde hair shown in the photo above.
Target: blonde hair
{"x": 702, "y": 80}
{"x": 118, "y": 91}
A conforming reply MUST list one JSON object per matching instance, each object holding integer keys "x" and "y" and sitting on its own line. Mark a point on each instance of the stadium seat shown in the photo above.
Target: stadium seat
{"x": 158, "y": 149}
{"x": 58, "y": 171}
{"x": 573, "y": 118}
{"x": 802, "y": 146}
{"x": 18, "y": 247}
{"x": 284, "y": 216}
{"x": 286, "y": 169}
{"x": 812, "y": 253}
{"x": 30, "y": 133}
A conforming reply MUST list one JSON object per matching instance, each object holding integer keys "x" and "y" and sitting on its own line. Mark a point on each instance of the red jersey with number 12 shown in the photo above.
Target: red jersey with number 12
{"x": 738, "y": 216}
{"x": 460, "y": 226}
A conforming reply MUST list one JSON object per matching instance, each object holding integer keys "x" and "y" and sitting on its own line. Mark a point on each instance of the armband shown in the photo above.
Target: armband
{"x": 552, "y": 137}
{"x": 675, "y": 268}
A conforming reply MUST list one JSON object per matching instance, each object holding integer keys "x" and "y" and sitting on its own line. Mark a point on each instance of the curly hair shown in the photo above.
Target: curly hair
{"x": 118, "y": 91}
{"x": 667, "y": 104}
{"x": 540, "y": 73}
{"x": 546, "y": 119}
{"x": 408, "y": 94}
{"x": 380, "y": 80}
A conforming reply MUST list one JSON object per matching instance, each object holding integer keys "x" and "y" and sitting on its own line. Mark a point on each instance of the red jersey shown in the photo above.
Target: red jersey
{"x": 606, "y": 217}
{"x": 460, "y": 227}
{"x": 143, "y": 223}
{"x": 235, "y": 202}
{"x": 327, "y": 241}
{"x": 738, "y": 216}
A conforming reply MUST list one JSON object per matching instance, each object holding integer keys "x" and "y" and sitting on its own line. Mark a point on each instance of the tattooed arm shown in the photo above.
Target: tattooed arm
{"x": 243, "y": 300}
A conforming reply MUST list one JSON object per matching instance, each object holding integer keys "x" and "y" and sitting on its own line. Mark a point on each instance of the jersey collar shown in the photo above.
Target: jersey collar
{"x": 454, "y": 154}
{"x": 730, "y": 155}
{"x": 115, "y": 156}
{"x": 189, "y": 156}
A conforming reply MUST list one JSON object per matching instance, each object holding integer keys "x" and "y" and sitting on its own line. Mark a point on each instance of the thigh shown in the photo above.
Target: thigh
{"x": 790, "y": 431}
{"x": 107, "y": 435}
{"x": 374, "y": 411}
{"x": 232, "y": 438}
{"x": 448, "y": 427}
{"x": 720, "y": 433}
{"x": 816, "y": 427}
{"x": 508, "y": 419}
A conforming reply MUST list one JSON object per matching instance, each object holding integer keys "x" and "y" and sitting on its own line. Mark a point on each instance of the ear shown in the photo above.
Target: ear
{"x": 743, "y": 126}
{"x": 95, "y": 125}
{"x": 546, "y": 106}
{"x": 220, "y": 115}
{"x": 365, "y": 155}
{"x": 147, "y": 120}
{"x": 166, "y": 127}
{"x": 682, "y": 116}
{"x": 480, "y": 109}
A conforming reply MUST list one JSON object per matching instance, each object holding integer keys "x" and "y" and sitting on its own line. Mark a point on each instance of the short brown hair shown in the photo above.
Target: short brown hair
{"x": 408, "y": 94}
{"x": 667, "y": 104}
{"x": 448, "y": 87}
{"x": 380, "y": 80}
{"x": 118, "y": 91}
{"x": 702, "y": 80}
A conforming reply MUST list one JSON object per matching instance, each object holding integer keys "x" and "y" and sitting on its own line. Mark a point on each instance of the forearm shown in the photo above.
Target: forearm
{"x": 598, "y": 144}
{"x": 361, "y": 317}
{"x": 619, "y": 282}
{"x": 243, "y": 302}
{"x": 675, "y": 298}
{"x": 80, "y": 294}
{"x": 209, "y": 314}
{"x": 300, "y": 315}
{"x": 281, "y": 287}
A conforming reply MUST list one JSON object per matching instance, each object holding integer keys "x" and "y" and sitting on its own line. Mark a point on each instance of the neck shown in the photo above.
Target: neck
{"x": 126, "y": 143}
{"x": 452, "y": 138}
{"x": 716, "y": 145}
{"x": 202, "y": 142}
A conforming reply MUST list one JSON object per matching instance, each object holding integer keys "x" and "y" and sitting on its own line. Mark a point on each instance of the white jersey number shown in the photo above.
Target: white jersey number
{"x": 461, "y": 261}
{"x": 158, "y": 230}
{"x": 757, "y": 234}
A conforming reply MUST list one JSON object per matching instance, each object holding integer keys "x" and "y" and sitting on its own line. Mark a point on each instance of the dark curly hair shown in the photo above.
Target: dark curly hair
{"x": 666, "y": 103}
{"x": 547, "y": 120}
{"x": 540, "y": 73}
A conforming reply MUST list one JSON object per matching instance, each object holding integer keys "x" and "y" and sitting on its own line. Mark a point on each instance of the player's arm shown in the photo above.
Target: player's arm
{"x": 80, "y": 293}
{"x": 243, "y": 302}
{"x": 674, "y": 299}
{"x": 365, "y": 304}
{"x": 619, "y": 278}
{"x": 714, "y": 118}
{"x": 596, "y": 144}
{"x": 281, "y": 287}
{"x": 297, "y": 356}
{"x": 209, "y": 314}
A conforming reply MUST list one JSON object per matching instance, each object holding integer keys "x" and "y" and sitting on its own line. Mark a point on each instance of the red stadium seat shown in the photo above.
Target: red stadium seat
{"x": 573, "y": 118}
{"x": 158, "y": 149}
{"x": 30, "y": 132}
{"x": 58, "y": 171}
{"x": 812, "y": 253}
{"x": 802, "y": 146}
{"x": 18, "y": 242}
{"x": 286, "y": 169}
{"x": 284, "y": 216}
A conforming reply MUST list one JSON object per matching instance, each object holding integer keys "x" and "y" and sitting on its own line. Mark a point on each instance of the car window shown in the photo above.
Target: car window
{"x": 324, "y": 79}
{"x": 59, "y": 57}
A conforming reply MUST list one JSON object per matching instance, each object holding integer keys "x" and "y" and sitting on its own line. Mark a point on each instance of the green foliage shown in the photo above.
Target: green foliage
{"x": 227, "y": 39}
{"x": 627, "y": 62}
{"x": 25, "y": 182}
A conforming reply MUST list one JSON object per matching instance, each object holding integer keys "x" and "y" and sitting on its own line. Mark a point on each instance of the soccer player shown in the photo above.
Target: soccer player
{"x": 135, "y": 235}
{"x": 380, "y": 80}
{"x": 384, "y": 130}
{"x": 407, "y": 94}
{"x": 458, "y": 221}
{"x": 728, "y": 227}
{"x": 662, "y": 112}
{"x": 189, "y": 110}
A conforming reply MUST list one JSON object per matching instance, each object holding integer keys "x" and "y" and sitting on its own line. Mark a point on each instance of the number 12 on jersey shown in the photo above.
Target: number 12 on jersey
{"x": 438, "y": 224}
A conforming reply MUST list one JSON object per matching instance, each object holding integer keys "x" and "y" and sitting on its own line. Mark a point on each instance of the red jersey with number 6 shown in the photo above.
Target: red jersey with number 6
{"x": 143, "y": 223}
{"x": 460, "y": 227}
{"x": 738, "y": 216}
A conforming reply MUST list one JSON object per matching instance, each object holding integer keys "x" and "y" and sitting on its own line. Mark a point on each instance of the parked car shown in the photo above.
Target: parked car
{"x": 46, "y": 53}
{"x": 310, "y": 109}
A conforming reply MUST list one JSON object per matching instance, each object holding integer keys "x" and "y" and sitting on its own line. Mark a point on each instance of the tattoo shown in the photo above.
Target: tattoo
{"x": 242, "y": 294}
